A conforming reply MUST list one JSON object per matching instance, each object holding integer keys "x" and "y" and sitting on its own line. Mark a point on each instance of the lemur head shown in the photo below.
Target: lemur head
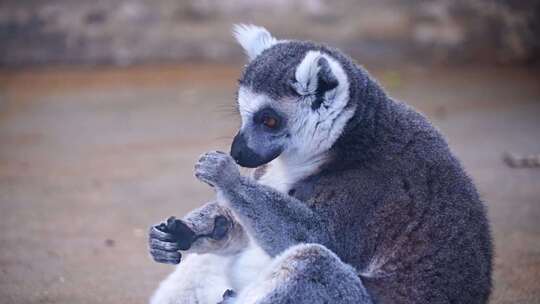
{"x": 293, "y": 99}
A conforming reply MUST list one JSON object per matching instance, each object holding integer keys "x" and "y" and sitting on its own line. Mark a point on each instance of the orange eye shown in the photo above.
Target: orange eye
{"x": 270, "y": 122}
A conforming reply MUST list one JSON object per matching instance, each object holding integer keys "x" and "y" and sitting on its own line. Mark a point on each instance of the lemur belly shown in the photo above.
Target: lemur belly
{"x": 246, "y": 266}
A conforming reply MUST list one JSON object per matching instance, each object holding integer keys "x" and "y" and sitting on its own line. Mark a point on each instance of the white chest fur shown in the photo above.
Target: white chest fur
{"x": 246, "y": 266}
{"x": 283, "y": 173}
{"x": 276, "y": 177}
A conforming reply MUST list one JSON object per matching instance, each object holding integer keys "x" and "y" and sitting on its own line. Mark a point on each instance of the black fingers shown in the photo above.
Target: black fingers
{"x": 160, "y": 233}
{"x": 229, "y": 293}
{"x": 163, "y": 245}
{"x": 228, "y": 296}
{"x": 166, "y": 257}
{"x": 183, "y": 235}
{"x": 166, "y": 239}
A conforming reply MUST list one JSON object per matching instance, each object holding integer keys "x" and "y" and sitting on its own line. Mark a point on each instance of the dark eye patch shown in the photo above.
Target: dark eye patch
{"x": 269, "y": 119}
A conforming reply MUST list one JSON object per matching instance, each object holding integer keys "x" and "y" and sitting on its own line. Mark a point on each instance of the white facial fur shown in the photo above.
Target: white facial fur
{"x": 250, "y": 102}
{"x": 313, "y": 132}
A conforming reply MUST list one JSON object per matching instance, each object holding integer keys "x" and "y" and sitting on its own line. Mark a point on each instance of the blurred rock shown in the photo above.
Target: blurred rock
{"x": 479, "y": 31}
{"x": 124, "y": 32}
{"x": 109, "y": 243}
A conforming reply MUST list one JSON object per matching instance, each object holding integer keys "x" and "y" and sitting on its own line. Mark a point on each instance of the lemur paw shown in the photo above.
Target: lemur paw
{"x": 228, "y": 296}
{"x": 166, "y": 239}
{"x": 217, "y": 169}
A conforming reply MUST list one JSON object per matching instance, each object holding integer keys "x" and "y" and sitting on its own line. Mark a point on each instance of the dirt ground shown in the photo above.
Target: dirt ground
{"x": 90, "y": 158}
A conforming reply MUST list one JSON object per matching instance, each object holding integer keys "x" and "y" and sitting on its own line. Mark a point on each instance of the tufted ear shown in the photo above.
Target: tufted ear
{"x": 253, "y": 39}
{"x": 314, "y": 77}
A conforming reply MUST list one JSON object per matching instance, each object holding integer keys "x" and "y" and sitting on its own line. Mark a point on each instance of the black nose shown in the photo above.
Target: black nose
{"x": 243, "y": 155}
{"x": 237, "y": 147}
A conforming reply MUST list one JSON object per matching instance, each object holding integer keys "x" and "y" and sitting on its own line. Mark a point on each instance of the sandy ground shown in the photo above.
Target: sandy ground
{"x": 89, "y": 159}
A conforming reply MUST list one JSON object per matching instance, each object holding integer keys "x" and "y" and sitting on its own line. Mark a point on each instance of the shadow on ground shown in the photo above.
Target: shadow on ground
{"x": 89, "y": 159}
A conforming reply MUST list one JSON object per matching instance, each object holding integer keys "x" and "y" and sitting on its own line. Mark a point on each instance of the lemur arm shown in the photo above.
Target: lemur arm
{"x": 277, "y": 221}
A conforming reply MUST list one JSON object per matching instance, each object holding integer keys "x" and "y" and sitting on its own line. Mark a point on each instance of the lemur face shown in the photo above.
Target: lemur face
{"x": 293, "y": 99}
{"x": 265, "y": 130}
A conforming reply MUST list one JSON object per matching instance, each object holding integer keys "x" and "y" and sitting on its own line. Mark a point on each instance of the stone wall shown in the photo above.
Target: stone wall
{"x": 124, "y": 32}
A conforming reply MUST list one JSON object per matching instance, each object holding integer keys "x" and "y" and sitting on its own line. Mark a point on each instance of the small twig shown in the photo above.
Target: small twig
{"x": 518, "y": 161}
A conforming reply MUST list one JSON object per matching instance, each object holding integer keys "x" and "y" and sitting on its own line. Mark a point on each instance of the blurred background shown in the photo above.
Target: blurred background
{"x": 106, "y": 105}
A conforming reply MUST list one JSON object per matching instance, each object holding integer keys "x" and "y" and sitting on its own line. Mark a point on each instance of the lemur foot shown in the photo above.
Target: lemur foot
{"x": 228, "y": 296}
{"x": 166, "y": 239}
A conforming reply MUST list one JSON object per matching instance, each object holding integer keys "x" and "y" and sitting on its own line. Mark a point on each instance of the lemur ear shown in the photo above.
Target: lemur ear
{"x": 314, "y": 77}
{"x": 254, "y": 39}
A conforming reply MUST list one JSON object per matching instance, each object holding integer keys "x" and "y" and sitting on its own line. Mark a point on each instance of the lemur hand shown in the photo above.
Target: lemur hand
{"x": 217, "y": 169}
{"x": 166, "y": 239}
{"x": 203, "y": 233}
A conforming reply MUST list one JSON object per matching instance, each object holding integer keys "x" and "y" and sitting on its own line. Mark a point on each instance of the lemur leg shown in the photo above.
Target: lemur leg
{"x": 211, "y": 228}
{"x": 306, "y": 273}
{"x": 198, "y": 279}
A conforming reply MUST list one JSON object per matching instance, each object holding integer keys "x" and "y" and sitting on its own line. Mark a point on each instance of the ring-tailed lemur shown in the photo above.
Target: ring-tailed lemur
{"x": 359, "y": 199}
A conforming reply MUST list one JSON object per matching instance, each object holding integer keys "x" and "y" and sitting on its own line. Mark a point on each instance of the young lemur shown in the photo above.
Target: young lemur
{"x": 357, "y": 198}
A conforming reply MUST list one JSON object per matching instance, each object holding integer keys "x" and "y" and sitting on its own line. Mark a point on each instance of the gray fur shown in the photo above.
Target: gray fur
{"x": 310, "y": 273}
{"x": 283, "y": 222}
{"x": 391, "y": 201}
